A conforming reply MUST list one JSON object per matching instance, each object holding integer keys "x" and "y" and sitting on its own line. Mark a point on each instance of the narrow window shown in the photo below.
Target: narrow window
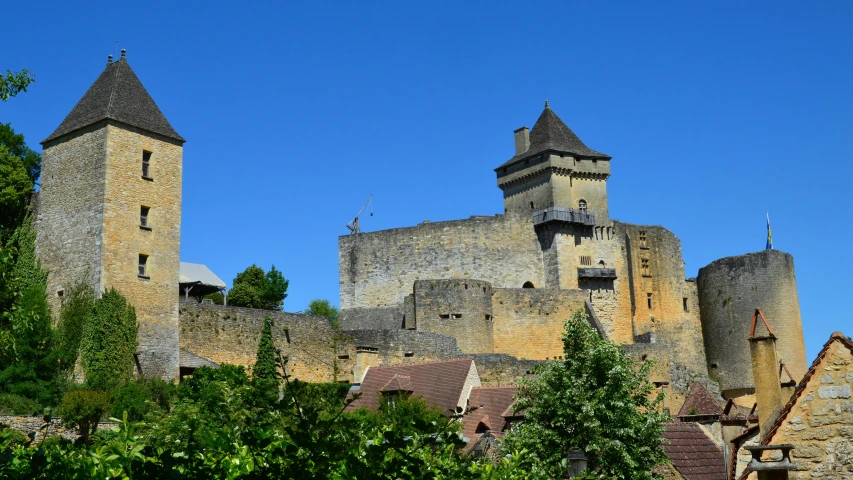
{"x": 531, "y": 205}
{"x": 643, "y": 239}
{"x": 409, "y": 354}
{"x": 143, "y": 217}
{"x": 143, "y": 266}
{"x": 146, "y": 165}
{"x": 343, "y": 357}
{"x": 644, "y": 264}
{"x": 444, "y": 316}
{"x": 586, "y": 260}
{"x": 649, "y": 300}
{"x": 684, "y": 302}
{"x": 287, "y": 335}
{"x": 582, "y": 205}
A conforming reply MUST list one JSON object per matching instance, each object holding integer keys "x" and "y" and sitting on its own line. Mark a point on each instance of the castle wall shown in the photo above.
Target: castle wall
{"x": 378, "y": 269}
{"x": 528, "y": 322}
{"x": 458, "y": 308}
{"x": 730, "y": 289}
{"x": 155, "y": 298}
{"x": 592, "y": 188}
{"x": 70, "y": 222}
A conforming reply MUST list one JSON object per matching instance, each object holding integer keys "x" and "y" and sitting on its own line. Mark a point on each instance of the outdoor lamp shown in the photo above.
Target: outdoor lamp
{"x": 577, "y": 462}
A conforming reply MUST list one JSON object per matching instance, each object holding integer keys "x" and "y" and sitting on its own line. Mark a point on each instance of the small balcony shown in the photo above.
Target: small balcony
{"x": 567, "y": 215}
{"x": 608, "y": 273}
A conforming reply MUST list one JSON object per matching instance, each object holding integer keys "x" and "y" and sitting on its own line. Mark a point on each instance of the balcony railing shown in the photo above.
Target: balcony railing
{"x": 596, "y": 273}
{"x": 569, "y": 215}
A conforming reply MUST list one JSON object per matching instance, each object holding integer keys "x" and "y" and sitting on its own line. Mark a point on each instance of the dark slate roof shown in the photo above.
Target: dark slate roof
{"x": 191, "y": 360}
{"x": 700, "y": 400}
{"x": 551, "y": 134}
{"x": 439, "y": 383}
{"x": 491, "y": 403}
{"x": 693, "y": 454}
{"x": 117, "y": 95}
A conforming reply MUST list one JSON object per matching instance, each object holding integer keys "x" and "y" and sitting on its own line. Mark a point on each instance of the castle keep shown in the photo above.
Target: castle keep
{"x": 493, "y": 288}
{"x": 504, "y": 284}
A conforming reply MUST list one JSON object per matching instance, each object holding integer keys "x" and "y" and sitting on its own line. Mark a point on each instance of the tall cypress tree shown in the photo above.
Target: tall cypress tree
{"x": 264, "y": 374}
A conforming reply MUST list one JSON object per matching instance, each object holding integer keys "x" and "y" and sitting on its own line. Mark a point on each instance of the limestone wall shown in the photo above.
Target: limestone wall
{"x": 70, "y": 222}
{"x": 378, "y": 269}
{"x": 730, "y": 289}
{"x": 457, "y": 308}
{"x": 820, "y": 424}
{"x": 156, "y": 297}
{"x": 41, "y": 429}
{"x": 528, "y": 322}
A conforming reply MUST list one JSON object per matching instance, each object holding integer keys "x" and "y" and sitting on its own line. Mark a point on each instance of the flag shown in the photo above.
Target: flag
{"x": 769, "y": 236}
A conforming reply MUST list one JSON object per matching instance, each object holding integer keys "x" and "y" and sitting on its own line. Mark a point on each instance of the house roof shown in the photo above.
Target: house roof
{"x": 200, "y": 278}
{"x": 801, "y": 387}
{"x": 439, "y": 383}
{"x": 701, "y": 401}
{"x": 398, "y": 383}
{"x": 549, "y": 133}
{"x": 117, "y": 95}
{"x": 693, "y": 454}
{"x": 491, "y": 403}
{"x": 191, "y": 360}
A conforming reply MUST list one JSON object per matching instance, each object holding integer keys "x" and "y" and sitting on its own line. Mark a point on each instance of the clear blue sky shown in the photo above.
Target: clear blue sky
{"x": 295, "y": 112}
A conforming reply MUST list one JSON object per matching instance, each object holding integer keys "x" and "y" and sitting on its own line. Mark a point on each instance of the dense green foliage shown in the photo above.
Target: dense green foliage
{"x": 599, "y": 400}
{"x": 264, "y": 374}
{"x": 83, "y": 409}
{"x": 253, "y": 288}
{"x": 109, "y": 342}
{"x": 14, "y": 83}
{"x": 20, "y": 168}
{"x": 217, "y": 297}
{"x": 76, "y": 309}
{"x": 324, "y": 308}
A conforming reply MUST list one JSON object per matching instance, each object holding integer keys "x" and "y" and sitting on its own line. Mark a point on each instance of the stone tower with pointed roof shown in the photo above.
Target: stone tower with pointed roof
{"x": 553, "y": 168}
{"x": 109, "y": 209}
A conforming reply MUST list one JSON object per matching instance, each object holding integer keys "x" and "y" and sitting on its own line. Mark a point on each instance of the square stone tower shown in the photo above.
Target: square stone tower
{"x": 552, "y": 168}
{"x": 109, "y": 209}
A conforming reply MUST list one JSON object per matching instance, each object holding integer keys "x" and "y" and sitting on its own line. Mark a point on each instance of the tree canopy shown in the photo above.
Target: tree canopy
{"x": 14, "y": 83}
{"x": 597, "y": 399}
{"x": 20, "y": 168}
{"x": 324, "y": 308}
{"x": 254, "y": 288}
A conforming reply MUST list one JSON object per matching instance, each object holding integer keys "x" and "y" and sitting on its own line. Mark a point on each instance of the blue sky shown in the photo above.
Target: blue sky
{"x": 296, "y": 112}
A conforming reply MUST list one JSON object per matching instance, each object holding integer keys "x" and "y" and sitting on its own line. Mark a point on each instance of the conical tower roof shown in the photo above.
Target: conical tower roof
{"x": 117, "y": 95}
{"x": 550, "y": 133}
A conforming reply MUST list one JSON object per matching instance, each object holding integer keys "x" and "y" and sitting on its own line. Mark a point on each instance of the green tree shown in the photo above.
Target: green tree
{"x": 109, "y": 342}
{"x": 254, "y": 288}
{"x": 75, "y": 311}
{"x": 599, "y": 400}
{"x": 14, "y": 83}
{"x": 324, "y": 308}
{"x": 17, "y": 146}
{"x": 264, "y": 372}
{"x": 20, "y": 168}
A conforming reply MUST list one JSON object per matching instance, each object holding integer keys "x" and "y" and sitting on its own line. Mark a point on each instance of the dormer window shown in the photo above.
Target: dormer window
{"x": 582, "y": 205}
{"x": 146, "y": 165}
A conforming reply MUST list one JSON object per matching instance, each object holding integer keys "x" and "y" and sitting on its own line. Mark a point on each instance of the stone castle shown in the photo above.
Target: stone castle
{"x": 494, "y": 288}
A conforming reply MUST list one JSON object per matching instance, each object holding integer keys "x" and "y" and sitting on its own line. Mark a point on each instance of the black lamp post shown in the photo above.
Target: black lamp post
{"x": 577, "y": 462}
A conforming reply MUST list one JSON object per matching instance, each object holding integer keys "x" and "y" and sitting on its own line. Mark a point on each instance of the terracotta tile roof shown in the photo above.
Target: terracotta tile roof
{"x": 439, "y": 383}
{"x": 491, "y": 403}
{"x": 693, "y": 454}
{"x": 701, "y": 401}
{"x": 398, "y": 383}
{"x": 835, "y": 337}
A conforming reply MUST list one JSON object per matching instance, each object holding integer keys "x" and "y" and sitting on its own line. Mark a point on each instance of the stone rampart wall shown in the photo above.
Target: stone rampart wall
{"x": 40, "y": 429}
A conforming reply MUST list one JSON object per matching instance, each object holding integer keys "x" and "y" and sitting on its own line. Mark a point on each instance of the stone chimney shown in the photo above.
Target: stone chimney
{"x": 765, "y": 373}
{"x": 522, "y": 140}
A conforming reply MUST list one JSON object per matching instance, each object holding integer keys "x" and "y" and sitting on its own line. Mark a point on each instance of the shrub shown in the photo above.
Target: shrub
{"x": 109, "y": 342}
{"x": 18, "y": 405}
{"x": 54, "y": 442}
{"x": 83, "y": 409}
{"x": 141, "y": 397}
{"x": 12, "y": 438}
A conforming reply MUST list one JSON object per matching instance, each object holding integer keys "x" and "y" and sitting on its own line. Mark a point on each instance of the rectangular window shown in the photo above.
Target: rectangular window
{"x": 684, "y": 302}
{"x": 586, "y": 260}
{"x": 649, "y": 300}
{"x": 643, "y": 243}
{"x": 143, "y": 266}
{"x": 146, "y": 165}
{"x": 143, "y": 217}
{"x": 644, "y": 264}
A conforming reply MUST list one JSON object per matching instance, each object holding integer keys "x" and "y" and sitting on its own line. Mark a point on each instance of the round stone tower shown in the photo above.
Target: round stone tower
{"x": 730, "y": 289}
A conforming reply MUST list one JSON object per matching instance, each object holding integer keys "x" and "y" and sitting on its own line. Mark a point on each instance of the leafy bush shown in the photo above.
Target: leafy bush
{"x": 253, "y": 288}
{"x": 12, "y": 438}
{"x": 83, "y": 409}
{"x": 142, "y": 397}
{"x": 18, "y": 405}
{"x": 76, "y": 309}
{"x": 109, "y": 342}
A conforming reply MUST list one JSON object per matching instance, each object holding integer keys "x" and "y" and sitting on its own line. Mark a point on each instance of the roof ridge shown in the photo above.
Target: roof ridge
{"x": 379, "y": 367}
{"x": 113, "y": 91}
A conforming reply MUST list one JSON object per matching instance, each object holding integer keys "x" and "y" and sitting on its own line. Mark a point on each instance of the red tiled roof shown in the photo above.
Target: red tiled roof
{"x": 491, "y": 403}
{"x": 439, "y": 383}
{"x": 693, "y": 454}
{"x": 398, "y": 383}
{"x": 701, "y": 401}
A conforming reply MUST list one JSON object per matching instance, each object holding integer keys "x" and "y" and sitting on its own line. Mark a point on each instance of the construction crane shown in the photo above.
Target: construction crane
{"x": 353, "y": 225}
